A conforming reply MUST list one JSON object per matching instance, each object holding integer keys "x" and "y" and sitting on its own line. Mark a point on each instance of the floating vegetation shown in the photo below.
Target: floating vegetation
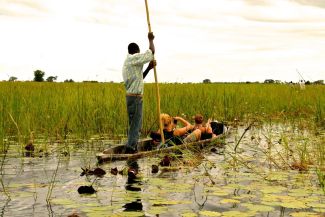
{"x": 209, "y": 213}
{"x": 86, "y": 190}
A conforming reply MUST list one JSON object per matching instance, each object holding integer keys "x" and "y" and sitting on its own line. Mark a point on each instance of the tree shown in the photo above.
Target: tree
{"x": 13, "y": 78}
{"x": 269, "y": 81}
{"x": 319, "y": 82}
{"x": 69, "y": 80}
{"x": 51, "y": 78}
{"x": 206, "y": 81}
{"x": 39, "y": 75}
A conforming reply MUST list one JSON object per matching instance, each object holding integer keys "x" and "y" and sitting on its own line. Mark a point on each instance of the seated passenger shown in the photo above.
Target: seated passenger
{"x": 206, "y": 129}
{"x": 174, "y": 135}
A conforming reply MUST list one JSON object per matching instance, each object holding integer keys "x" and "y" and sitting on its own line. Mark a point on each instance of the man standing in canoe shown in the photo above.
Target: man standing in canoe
{"x": 133, "y": 81}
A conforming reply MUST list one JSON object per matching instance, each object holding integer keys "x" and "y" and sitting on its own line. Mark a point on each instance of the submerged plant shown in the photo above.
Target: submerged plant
{"x": 321, "y": 178}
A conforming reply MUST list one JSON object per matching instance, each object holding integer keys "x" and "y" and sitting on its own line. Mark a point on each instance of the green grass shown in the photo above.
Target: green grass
{"x": 85, "y": 109}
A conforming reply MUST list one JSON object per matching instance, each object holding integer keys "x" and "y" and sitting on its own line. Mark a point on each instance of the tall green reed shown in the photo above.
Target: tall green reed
{"x": 80, "y": 110}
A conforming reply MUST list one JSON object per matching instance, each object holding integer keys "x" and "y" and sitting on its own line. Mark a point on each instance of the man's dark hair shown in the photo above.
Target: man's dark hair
{"x": 133, "y": 48}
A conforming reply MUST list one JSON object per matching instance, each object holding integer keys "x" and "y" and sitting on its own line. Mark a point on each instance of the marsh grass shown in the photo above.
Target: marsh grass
{"x": 290, "y": 147}
{"x": 320, "y": 110}
{"x": 80, "y": 110}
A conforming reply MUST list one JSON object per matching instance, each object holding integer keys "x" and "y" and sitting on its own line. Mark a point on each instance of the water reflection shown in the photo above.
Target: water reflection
{"x": 133, "y": 184}
{"x": 2, "y": 211}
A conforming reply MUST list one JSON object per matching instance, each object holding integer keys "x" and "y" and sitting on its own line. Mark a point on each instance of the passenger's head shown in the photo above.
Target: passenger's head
{"x": 198, "y": 119}
{"x": 133, "y": 48}
{"x": 166, "y": 120}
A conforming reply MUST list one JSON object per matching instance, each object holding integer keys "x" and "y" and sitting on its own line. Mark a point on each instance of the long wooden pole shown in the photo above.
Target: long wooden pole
{"x": 156, "y": 80}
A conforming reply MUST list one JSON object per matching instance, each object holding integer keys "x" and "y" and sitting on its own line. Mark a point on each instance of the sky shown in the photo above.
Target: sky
{"x": 220, "y": 40}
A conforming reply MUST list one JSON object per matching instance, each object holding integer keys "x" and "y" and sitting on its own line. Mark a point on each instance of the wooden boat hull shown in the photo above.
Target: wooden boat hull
{"x": 116, "y": 153}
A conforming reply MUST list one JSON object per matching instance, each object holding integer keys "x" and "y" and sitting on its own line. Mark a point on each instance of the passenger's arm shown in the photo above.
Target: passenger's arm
{"x": 183, "y": 130}
{"x": 184, "y": 122}
{"x": 208, "y": 127}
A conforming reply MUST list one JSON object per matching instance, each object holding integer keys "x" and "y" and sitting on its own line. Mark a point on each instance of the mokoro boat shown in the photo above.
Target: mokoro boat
{"x": 147, "y": 148}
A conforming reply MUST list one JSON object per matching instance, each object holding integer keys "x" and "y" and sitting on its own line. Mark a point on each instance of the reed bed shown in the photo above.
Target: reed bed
{"x": 82, "y": 110}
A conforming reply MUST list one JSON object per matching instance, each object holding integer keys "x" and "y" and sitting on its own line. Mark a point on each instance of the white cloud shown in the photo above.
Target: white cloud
{"x": 216, "y": 39}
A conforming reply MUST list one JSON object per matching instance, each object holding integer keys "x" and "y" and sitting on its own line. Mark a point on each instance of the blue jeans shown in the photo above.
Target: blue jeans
{"x": 134, "y": 109}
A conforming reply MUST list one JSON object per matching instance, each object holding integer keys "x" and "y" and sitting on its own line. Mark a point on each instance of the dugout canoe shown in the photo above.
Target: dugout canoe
{"x": 115, "y": 153}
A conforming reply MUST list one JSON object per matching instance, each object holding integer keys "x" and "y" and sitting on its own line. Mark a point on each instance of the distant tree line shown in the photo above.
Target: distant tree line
{"x": 268, "y": 81}
{"x": 271, "y": 81}
{"x": 39, "y": 77}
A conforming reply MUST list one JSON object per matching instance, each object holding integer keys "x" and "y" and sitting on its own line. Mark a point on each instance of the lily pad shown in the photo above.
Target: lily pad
{"x": 121, "y": 214}
{"x": 238, "y": 213}
{"x": 220, "y": 192}
{"x": 229, "y": 201}
{"x": 169, "y": 202}
{"x": 189, "y": 214}
{"x": 210, "y": 213}
{"x": 65, "y": 202}
{"x": 319, "y": 210}
{"x": 277, "y": 176}
{"x": 294, "y": 205}
{"x": 258, "y": 208}
{"x": 317, "y": 205}
{"x": 272, "y": 189}
{"x": 158, "y": 182}
{"x": 273, "y": 204}
{"x": 310, "y": 200}
{"x": 304, "y": 214}
{"x": 157, "y": 210}
{"x": 245, "y": 196}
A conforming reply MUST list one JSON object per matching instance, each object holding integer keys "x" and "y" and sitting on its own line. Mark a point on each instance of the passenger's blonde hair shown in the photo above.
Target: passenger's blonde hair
{"x": 166, "y": 119}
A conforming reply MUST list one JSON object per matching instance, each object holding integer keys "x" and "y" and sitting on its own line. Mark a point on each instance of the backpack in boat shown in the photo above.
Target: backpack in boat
{"x": 217, "y": 128}
{"x": 169, "y": 139}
